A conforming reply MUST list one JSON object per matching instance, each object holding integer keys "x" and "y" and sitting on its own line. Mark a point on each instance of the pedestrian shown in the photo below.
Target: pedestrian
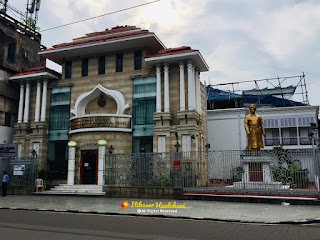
{"x": 5, "y": 181}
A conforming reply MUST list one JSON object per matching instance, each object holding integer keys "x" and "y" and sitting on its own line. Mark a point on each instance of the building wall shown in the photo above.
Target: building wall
{"x": 226, "y": 126}
{"x": 226, "y": 129}
{"x": 26, "y": 56}
{"x": 120, "y": 81}
{"x": 6, "y": 134}
{"x": 12, "y": 31}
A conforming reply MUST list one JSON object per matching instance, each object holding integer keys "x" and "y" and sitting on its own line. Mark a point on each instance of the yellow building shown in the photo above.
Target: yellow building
{"x": 120, "y": 85}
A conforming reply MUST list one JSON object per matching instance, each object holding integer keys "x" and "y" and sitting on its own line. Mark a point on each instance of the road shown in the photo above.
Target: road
{"x": 19, "y": 224}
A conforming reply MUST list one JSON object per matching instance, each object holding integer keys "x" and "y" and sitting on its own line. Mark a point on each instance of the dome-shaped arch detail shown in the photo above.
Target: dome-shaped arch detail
{"x": 83, "y": 100}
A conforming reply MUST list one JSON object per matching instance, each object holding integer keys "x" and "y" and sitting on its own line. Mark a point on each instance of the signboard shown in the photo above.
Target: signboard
{"x": 8, "y": 150}
{"x": 100, "y": 122}
{"x": 176, "y": 165}
{"x": 18, "y": 170}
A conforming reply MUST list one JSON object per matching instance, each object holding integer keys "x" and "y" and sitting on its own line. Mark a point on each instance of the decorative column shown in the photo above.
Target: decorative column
{"x": 44, "y": 101}
{"x": 101, "y": 161}
{"x": 21, "y": 101}
{"x": 194, "y": 73}
{"x": 71, "y": 162}
{"x": 191, "y": 92}
{"x": 158, "y": 70}
{"x": 27, "y": 104}
{"x": 37, "y": 111}
{"x": 166, "y": 88}
{"x": 198, "y": 92}
{"x": 182, "y": 88}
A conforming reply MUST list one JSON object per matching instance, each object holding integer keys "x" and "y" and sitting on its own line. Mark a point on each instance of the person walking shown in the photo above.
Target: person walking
{"x": 5, "y": 181}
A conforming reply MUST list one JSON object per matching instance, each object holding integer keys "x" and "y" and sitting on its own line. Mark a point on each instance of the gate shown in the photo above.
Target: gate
{"x": 22, "y": 172}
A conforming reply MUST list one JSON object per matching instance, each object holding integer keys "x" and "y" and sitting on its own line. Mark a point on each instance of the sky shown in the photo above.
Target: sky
{"x": 239, "y": 39}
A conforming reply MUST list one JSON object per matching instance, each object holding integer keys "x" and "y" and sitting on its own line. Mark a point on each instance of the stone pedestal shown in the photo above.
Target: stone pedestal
{"x": 257, "y": 174}
{"x": 248, "y": 163}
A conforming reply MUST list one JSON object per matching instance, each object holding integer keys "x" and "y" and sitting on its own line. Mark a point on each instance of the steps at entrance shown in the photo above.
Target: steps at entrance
{"x": 79, "y": 189}
{"x": 258, "y": 185}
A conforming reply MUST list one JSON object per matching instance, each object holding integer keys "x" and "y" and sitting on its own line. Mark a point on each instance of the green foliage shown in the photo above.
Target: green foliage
{"x": 236, "y": 174}
{"x": 31, "y": 23}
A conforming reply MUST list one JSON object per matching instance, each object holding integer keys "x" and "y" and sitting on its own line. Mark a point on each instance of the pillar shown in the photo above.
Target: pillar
{"x": 26, "y": 104}
{"x": 166, "y": 88}
{"x": 158, "y": 101}
{"x": 101, "y": 162}
{"x": 37, "y": 110}
{"x": 71, "y": 164}
{"x": 21, "y": 102}
{"x": 191, "y": 92}
{"x": 182, "y": 88}
{"x": 198, "y": 92}
{"x": 44, "y": 101}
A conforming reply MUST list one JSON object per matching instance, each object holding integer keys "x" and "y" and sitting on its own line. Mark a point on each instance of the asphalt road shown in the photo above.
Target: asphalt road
{"x": 19, "y": 224}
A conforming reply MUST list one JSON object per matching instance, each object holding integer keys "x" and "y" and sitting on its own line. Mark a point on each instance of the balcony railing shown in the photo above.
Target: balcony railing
{"x": 288, "y": 141}
{"x": 272, "y": 141}
{"x": 305, "y": 141}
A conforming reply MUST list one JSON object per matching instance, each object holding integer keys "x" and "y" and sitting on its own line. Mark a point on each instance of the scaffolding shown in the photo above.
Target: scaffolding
{"x": 285, "y": 91}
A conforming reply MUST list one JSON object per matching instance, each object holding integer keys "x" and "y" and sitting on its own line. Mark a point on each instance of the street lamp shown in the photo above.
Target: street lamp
{"x": 177, "y": 146}
{"x": 111, "y": 149}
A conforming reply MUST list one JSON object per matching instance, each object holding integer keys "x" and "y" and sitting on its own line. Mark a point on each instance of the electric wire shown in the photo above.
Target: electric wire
{"x": 110, "y": 13}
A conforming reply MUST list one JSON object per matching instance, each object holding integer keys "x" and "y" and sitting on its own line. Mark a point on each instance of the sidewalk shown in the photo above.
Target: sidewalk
{"x": 202, "y": 210}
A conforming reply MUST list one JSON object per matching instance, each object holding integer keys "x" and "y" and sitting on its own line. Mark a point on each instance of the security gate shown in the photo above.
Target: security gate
{"x": 22, "y": 172}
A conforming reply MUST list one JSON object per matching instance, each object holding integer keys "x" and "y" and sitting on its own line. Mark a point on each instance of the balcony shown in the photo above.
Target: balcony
{"x": 271, "y": 141}
{"x": 288, "y": 141}
{"x": 306, "y": 141}
{"x": 101, "y": 123}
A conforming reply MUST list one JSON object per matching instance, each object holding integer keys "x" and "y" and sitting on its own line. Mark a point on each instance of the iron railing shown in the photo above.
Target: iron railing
{"x": 22, "y": 172}
{"x": 265, "y": 169}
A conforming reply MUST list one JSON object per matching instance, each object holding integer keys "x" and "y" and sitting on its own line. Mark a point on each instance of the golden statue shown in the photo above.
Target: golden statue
{"x": 254, "y": 127}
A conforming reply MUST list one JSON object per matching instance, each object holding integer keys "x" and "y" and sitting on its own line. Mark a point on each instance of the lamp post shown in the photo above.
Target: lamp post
{"x": 177, "y": 164}
{"x": 316, "y": 163}
{"x": 177, "y": 145}
{"x": 111, "y": 148}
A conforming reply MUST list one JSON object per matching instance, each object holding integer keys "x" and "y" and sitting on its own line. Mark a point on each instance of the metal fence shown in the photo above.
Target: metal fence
{"x": 265, "y": 169}
{"x": 22, "y": 172}
{"x": 140, "y": 170}
{"x": 156, "y": 169}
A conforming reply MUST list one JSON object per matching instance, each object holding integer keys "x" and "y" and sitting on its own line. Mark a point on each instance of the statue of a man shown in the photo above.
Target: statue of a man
{"x": 254, "y": 127}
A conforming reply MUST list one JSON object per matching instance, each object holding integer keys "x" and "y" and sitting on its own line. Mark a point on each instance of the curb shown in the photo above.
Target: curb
{"x": 295, "y": 222}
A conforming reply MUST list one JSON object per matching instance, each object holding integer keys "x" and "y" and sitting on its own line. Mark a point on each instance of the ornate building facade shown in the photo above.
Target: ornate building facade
{"x": 121, "y": 86}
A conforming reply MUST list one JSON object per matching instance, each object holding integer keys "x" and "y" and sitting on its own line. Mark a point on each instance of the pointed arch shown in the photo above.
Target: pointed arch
{"x": 83, "y": 100}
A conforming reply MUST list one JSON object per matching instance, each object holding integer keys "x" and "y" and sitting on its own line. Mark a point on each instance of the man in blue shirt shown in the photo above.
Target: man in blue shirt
{"x": 5, "y": 181}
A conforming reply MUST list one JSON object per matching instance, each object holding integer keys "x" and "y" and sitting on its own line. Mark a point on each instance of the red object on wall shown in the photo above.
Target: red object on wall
{"x": 176, "y": 165}
{"x": 79, "y": 164}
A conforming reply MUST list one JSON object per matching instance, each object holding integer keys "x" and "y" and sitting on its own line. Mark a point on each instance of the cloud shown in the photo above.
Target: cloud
{"x": 240, "y": 40}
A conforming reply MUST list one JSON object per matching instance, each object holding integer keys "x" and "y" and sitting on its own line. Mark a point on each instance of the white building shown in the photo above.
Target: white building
{"x": 288, "y": 126}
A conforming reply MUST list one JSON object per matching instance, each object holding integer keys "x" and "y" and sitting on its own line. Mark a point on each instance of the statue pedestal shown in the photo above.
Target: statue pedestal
{"x": 256, "y": 169}
{"x": 257, "y": 174}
